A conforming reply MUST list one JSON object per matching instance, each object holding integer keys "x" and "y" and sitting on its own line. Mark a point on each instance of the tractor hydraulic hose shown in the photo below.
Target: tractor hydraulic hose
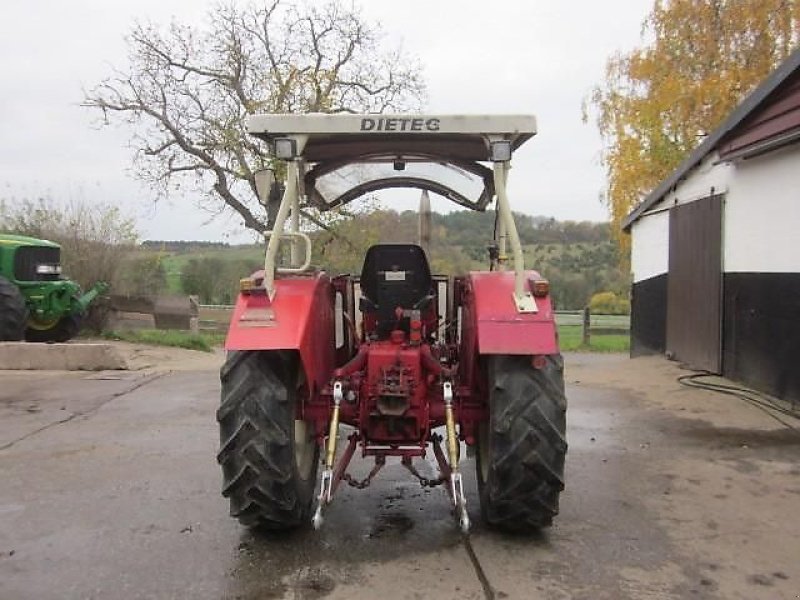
{"x": 430, "y": 364}
{"x": 354, "y": 364}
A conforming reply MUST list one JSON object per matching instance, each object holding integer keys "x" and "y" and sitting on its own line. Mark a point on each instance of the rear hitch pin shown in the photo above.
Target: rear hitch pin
{"x": 326, "y": 481}
{"x": 456, "y": 484}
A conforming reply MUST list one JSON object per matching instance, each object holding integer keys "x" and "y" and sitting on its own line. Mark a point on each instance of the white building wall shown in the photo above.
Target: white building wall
{"x": 761, "y": 215}
{"x": 708, "y": 178}
{"x": 650, "y": 246}
{"x": 761, "y": 232}
{"x": 650, "y": 234}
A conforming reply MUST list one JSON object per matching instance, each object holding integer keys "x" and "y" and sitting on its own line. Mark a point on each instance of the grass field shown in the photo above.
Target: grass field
{"x": 175, "y": 262}
{"x": 575, "y": 317}
{"x": 205, "y": 342}
{"x": 570, "y": 338}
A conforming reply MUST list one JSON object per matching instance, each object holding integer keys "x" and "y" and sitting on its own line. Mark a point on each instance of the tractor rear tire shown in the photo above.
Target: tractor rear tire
{"x": 64, "y": 330}
{"x": 269, "y": 459}
{"x": 521, "y": 450}
{"x": 13, "y": 313}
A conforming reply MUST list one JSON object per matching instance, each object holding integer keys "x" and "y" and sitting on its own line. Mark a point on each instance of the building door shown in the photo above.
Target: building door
{"x": 694, "y": 290}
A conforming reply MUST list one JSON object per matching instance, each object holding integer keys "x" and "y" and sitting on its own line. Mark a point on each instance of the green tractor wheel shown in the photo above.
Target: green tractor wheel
{"x": 13, "y": 313}
{"x": 60, "y": 330}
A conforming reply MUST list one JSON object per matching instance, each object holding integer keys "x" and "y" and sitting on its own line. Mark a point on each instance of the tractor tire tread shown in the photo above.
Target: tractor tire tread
{"x": 13, "y": 313}
{"x": 256, "y": 419}
{"x": 67, "y": 328}
{"x": 527, "y": 448}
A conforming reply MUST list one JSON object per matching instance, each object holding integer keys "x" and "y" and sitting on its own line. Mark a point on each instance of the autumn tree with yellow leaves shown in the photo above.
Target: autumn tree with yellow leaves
{"x": 699, "y": 59}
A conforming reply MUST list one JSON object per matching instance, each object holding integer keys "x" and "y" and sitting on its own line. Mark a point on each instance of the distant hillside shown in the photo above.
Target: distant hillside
{"x": 577, "y": 257}
{"x": 181, "y": 245}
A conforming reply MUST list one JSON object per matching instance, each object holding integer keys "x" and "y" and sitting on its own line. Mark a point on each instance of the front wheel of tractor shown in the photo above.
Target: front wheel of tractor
{"x": 63, "y": 330}
{"x": 12, "y": 312}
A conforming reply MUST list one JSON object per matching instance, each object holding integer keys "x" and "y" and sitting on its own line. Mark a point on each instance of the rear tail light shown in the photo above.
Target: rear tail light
{"x": 251, "y": 285}
{"x": 540, "y": 287}
{"x": 246, "y": 285}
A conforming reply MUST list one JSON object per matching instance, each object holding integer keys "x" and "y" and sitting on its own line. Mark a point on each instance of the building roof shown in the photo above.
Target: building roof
{"x": 740, "y": 113}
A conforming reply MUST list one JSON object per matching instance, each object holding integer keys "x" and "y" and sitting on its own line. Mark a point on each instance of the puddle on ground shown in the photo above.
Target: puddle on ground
{"x": 313, "y": 583}
{"x": 390, "y": 524}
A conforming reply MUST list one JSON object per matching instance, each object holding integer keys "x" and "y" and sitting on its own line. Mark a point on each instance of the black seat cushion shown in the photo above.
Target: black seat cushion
{"x": 394, "y": 275}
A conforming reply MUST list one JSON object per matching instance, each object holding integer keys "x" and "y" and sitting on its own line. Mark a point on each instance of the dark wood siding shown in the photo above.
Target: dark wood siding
{"x": 777, "y": 117}
{"x": 694, "y": 291}
{"x": 649, "y": 316}
{"x": 762, "y": 332}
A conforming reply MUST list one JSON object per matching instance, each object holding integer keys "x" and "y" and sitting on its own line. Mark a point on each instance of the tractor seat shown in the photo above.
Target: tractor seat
{"x": 395, "y": 275}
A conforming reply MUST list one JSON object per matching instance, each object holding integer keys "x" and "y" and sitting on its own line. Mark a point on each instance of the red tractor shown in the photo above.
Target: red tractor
{"x": 397, "y": 354}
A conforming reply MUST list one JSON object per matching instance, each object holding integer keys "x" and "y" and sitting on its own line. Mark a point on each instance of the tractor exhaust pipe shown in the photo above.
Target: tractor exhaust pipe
{"x": 424, "y": 230}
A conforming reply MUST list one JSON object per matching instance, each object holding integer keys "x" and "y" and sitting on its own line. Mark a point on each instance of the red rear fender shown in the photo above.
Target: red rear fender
{"x": 498, "y": 327}
{"x": 299, "y": 317}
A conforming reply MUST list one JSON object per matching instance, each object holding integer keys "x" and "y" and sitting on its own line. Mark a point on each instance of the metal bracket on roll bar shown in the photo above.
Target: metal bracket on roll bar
{"x": 296, "y": 235}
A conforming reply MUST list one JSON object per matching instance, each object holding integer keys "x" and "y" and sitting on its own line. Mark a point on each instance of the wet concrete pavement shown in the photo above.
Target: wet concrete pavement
{"x": 111, "y": 490}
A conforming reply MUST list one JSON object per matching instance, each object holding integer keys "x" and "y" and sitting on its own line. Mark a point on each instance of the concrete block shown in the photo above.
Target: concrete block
{"x": 174, "y": 312}
{"x": 74, "y": 356}
{"x": 126, "y": 321}
{"x": 134, "y": 304}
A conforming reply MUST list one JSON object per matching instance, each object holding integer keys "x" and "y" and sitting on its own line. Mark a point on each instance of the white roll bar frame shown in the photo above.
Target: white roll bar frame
{"x": 290, "y": 205}
{"x": 290, "y": 202}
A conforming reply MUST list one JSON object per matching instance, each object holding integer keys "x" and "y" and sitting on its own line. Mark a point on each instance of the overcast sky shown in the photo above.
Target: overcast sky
{"x": 478, "y": 57}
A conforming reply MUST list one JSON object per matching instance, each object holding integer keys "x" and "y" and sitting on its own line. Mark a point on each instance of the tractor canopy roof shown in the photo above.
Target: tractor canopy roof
{"x": 8, "y": 239}
{"x": 345, "y": 156}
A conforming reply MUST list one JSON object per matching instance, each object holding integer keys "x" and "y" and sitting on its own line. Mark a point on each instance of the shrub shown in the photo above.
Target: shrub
{"x": 608, "y": 303}
{"x": 94, "y": 238}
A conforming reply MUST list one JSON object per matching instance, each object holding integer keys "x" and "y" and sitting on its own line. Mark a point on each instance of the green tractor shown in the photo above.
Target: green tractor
{"x": 36, "y": 302}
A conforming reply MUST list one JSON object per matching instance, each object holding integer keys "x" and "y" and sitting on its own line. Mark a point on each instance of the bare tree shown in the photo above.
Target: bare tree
{"x": 187, "y": 90}
{"x": 94, "y": 237}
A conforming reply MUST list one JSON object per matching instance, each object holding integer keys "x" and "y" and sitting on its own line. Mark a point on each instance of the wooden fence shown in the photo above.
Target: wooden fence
{"x": 214, "y": 317}
{"x": 594, "y": 324}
